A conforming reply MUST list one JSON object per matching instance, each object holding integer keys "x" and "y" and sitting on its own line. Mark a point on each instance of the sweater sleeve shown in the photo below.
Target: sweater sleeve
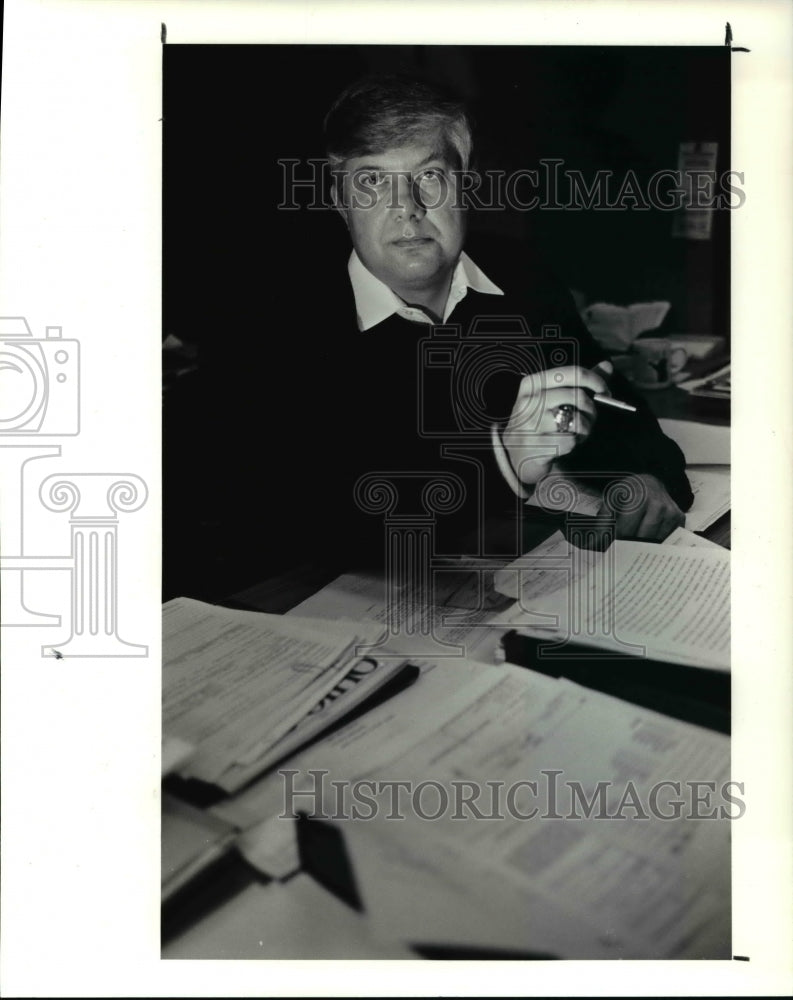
{"x": 621, "y": 443}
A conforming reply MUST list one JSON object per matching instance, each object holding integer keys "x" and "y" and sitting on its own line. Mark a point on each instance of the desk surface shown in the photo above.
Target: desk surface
{"x": 295, "y": 919}
{"x": 675, "y": 404}
{"x": 300, "y": 919}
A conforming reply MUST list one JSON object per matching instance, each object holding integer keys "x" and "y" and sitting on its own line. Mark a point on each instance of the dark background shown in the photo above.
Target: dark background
{"x": 230, "y": 112}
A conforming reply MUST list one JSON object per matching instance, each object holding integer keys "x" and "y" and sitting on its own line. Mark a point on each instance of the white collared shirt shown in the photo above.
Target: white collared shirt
{"x": 375, "y": 302}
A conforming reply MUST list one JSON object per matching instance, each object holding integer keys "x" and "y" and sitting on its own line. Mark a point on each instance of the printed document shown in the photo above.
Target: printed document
{"x": 592, "y": 858}
{"x": 664, "y": 602}
{"x": 235, "y": 682}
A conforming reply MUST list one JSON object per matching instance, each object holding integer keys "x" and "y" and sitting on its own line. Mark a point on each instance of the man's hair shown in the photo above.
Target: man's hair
{"x": 381, "y": 112}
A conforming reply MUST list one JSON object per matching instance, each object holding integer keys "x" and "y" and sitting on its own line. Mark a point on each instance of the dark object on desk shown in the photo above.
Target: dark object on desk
{"x": 691, "y": 694}
{"x": 323, "y": 854}
{"x": 193, "y": 791}
{"x": 720, "y": 531}
{"x": 450, "y": 953}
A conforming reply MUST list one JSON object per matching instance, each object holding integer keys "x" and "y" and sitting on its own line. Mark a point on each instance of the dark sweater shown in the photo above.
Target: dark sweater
{"x": 294, "y": 404}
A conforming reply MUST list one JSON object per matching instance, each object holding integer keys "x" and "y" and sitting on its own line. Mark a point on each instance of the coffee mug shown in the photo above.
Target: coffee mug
{"x": 655, "y": 362}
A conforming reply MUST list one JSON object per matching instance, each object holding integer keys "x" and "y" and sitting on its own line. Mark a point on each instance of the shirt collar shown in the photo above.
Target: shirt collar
{"x": 374, "y": 300}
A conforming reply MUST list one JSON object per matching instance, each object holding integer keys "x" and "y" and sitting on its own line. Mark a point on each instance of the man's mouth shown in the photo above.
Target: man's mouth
{"x": 413, "y": 241}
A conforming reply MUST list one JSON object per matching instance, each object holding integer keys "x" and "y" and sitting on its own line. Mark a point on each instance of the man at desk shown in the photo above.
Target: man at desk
{"x": 347, "y": 378}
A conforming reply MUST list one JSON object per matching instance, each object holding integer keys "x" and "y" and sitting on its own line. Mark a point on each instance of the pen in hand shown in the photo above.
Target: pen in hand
{"x": 600, "y": 397}
{"x": 606, "y": 368}
{"x": 616, "y": 403}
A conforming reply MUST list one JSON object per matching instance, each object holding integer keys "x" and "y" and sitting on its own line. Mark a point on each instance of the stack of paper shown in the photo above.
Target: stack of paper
{"x": 711, "y": 488}
{"x": 454, "y": 622}
{"x": 534, "y": 815}
{"x": 568, "y": 846}
{"x": 242, "y": 686}
{"x": 685, "y": 538}
{"x": 665, "y": 602}
{"x": 702, "y": 444}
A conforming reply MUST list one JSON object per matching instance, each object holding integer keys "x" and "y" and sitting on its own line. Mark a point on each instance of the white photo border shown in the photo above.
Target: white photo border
{"x": 80, "y": 249}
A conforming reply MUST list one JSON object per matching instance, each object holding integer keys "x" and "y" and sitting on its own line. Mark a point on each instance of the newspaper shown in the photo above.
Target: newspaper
{"x": 237, "y": 683}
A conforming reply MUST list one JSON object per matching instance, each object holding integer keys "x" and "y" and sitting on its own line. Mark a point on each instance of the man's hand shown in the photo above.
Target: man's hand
{"x": 656, "y": 517}
{"x": 531, "y": 437}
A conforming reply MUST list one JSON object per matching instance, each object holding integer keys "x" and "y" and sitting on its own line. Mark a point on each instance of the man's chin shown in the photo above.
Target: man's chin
{"x": 425, "y": 265}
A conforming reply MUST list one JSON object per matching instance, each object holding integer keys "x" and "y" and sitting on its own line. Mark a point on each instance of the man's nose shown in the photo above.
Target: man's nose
{"x": 407, "y": 198}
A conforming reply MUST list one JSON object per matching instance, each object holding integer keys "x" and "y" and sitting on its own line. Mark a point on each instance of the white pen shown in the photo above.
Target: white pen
{"x": 608, "y": 400}
{"x": 617, "y": 403}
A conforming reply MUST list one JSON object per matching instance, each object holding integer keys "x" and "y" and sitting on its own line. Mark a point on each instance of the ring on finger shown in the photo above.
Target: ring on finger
{"x": 564, "y": 417}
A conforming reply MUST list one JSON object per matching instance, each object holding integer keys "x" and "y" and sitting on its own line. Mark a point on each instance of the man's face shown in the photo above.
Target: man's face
{"x": 400, "y": 207}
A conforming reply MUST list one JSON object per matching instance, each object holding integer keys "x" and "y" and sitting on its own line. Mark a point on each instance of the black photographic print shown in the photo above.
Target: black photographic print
{"x": 335, "y": 415}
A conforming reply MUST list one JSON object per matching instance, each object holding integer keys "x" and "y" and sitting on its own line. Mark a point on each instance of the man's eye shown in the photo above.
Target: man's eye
{"x": 370, "y": 178}
{"x": 431, "y": 176}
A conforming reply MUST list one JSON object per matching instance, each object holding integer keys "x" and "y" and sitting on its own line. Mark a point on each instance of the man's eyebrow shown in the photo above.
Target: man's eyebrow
{"x": 435, "y": 155}
{"x": 367, "y": 166}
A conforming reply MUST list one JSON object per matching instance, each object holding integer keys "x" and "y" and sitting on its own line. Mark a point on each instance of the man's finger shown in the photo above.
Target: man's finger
{"x": 575, "y": 377}
{"x": 657, "y": 521}
{"x": 537, "y": 416}
{"x": 570, "y": 397}
{"x": 542, "y": 442}
{"x": 628, "y": 523}
{"x": 650, "y": 525}
{"x": 530, "y": 452}
{"x": 570, "y": 377}
{"x": 660, "y": 522}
